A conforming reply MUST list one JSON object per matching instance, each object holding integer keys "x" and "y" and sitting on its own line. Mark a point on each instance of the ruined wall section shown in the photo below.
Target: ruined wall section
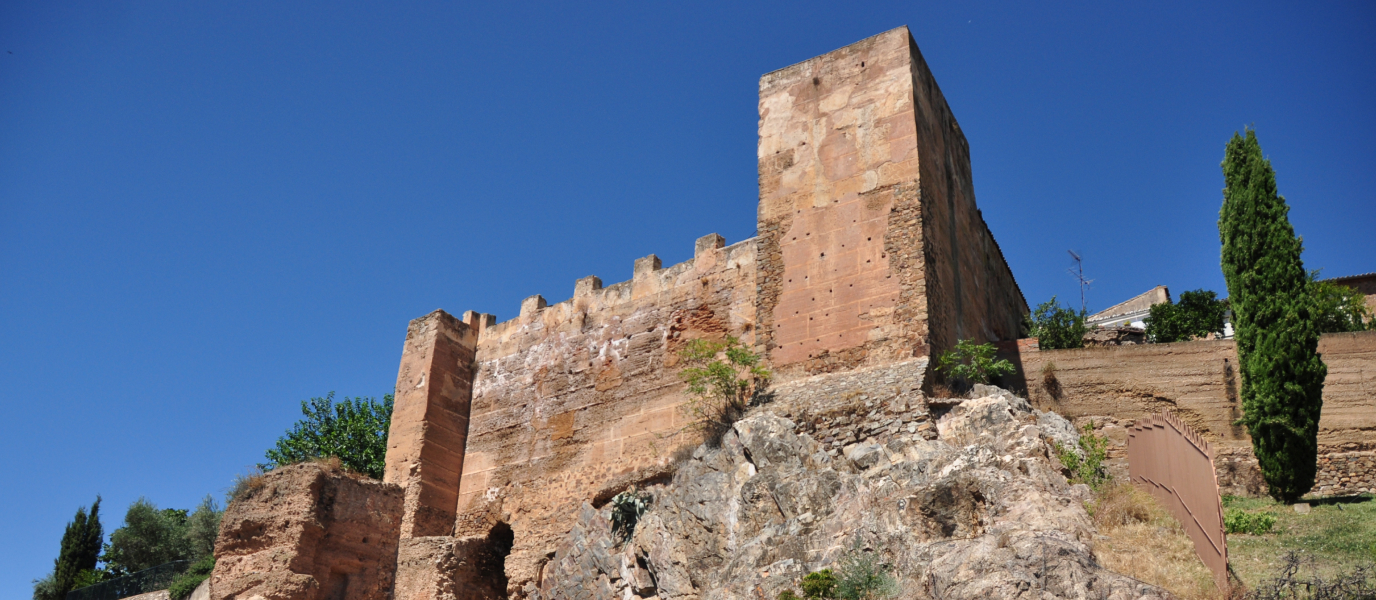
{"x": 1112, "y": 386}
{"x": 969, "y": 289}
{"x": 573, "y": 401}
{"x": 837, "y": 156}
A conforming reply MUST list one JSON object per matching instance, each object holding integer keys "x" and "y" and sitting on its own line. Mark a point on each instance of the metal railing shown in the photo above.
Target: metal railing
{"x": 1177, "y": 466}
{"x": 148, "y": 580}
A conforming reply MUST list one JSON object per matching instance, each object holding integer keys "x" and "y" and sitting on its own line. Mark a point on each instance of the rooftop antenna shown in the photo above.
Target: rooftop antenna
{"x": 1078, "y": 272}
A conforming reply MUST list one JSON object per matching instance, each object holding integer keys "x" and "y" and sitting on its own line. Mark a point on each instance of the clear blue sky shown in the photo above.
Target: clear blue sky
{"x": 209, "y": 214}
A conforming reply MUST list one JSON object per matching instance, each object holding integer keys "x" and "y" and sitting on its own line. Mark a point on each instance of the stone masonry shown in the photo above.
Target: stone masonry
{"x": 871, "y": 254}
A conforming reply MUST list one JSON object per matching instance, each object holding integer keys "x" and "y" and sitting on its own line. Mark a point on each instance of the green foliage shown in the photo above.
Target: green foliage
{"x": 79, "y": 551}
{"x": 1339, "y": 308}
{"x": 1086, "y": 465}
{"x": 819, "y": 584}
{"x": 354, "y": 430}
{"x": 973, "y": 363}
{"x": 203, "y": 526}
{"x": 722, "y": 377}
{"x": 859, "y": 576}
{"x": 1274, "y": 322}
{"x": 46, "y": 589}
{"x": 1198, "y": 314}
{"x": 1241, "y": 521}
{"x": 87, "y": 578}
{"x": 187, "y": 582}
{"x": 863, "y": 577}
{"x": 149, "y": 537}
{"x": 627, "y": 508}
{"x": 789, "y": 595}
{"x": 1057, "y": 327}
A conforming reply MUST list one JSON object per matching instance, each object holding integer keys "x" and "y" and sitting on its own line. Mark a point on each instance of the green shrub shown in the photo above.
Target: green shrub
{"x": 148, "y": 538}
{"x": 1240, "y": 521}
{"x": 819, "y": 584}
{"x": 354, "y": 430}
{"x": 1087, "y": 465}
{"x": 972, "y": 363}
{"x": 722, "y": 377}
{"x": 863, "y": 577}
{"x": 627, "y": 508}
{"x": 1056, "y": 327}
{"x": 789, "y": 595}
{"x": 187, "y": 582}
{"x": 1339, "y": 308}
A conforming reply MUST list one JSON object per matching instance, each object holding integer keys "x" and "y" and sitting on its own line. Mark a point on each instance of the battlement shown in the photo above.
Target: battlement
{"x": 870, "y": 253}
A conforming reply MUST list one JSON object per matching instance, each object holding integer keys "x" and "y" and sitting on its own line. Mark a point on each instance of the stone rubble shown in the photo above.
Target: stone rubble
{"x": 974, "y": 506}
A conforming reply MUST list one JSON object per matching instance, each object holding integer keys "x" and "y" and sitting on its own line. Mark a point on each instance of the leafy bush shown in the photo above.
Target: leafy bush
{"x": 859, "y": 576}
{"x": 203, "y": 526}
{"x": 187, "y": 582}
{"x": 1198, "y": 314}
{"x": 1087, "y": 464}
{"x": 722, "y": 377}
{"x": 819, "y": 584}
{"x": 1056, "y": 327}
{"x": 354, "y": 430}
{"x": 1254, "y": 523}
{"x": 1339, "y": 308}
{"x": 972, "y": 363}
{"x": 627, "y": 508}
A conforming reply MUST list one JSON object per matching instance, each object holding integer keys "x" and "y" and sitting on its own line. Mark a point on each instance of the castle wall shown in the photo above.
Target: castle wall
{"x": 867, "y": 222}
{"x": 575, "y": 400}
{"x": 1115, "y": 385}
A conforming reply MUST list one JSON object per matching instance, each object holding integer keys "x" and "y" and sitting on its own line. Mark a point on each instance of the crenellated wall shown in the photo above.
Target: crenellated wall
{"x": 576, "y": 396}
{"x": 870, "y": 254}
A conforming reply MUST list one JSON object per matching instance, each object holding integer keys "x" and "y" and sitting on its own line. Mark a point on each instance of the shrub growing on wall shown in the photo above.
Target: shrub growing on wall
{"x": 1273, "y": 321}
{"x": 1339, "y": 308}
{"x": 1198, "y": 314}
{"x": 1056, "y": 326}
{"x": 722, "y": 378}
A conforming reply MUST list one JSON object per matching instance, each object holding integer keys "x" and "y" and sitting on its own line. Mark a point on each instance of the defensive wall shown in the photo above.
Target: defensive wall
{"x": 1112, "y": 386}
{"x": 870, "y": 254}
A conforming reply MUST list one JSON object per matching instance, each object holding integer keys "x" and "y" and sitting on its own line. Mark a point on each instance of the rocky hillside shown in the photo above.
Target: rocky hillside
{"x": 980, "y": 511}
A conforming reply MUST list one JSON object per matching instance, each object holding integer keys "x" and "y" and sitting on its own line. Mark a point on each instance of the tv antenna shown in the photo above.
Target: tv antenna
{"x": 1078, "y": 272}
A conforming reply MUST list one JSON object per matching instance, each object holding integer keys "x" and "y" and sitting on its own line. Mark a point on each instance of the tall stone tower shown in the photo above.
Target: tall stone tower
{"x": 871, "y": 248}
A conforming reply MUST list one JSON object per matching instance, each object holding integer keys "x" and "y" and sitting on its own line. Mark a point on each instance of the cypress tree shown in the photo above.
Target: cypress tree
{"x": 80, "y": 548}
{"x": 1273, "y": 320}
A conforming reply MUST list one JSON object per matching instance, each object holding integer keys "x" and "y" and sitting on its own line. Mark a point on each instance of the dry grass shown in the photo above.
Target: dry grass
{"x": 1146, "y": 542}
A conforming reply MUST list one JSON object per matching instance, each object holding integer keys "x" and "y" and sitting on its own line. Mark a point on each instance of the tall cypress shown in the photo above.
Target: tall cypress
{"x": 80, "y": 547}
{"x": 1274, "y": 321}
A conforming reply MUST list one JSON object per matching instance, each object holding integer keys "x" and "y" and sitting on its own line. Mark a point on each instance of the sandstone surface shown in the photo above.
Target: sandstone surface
{"x": 982, "y": 511}
{"x": 306, "y": 532}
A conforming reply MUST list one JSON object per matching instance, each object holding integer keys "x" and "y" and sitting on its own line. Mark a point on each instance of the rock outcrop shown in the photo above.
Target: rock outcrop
{"x": 309, "y": 531}
{"x": 982, "y": 511}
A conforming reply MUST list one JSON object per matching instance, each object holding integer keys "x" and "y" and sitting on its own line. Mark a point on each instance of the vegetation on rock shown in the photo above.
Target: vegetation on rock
{"x": 183, "y": 585}
{"x": 722, "y": 377}
{"x": 859, "y": 576}
{"x": 1057, "y": 327}
{"x": 1086, "y": 463}
{"x": 353, "y": 430}
{"x": 1274, "y": 321}
{"x": 972, "y": 363}
{"x": 1197, "y": 314}
{"x": 627, "y": 508}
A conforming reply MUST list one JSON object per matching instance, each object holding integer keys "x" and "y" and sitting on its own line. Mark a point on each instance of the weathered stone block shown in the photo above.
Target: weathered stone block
{"x": 306, "y": 532}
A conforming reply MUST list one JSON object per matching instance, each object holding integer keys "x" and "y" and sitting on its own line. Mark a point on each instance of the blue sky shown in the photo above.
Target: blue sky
{"x": 209, "y": 213}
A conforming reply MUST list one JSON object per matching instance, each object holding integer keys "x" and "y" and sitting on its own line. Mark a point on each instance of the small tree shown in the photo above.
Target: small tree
{"x": 1057, "y": 327}
{"x": 973, "y": 363}
{"x": 1086, "y": 464}
{"x": 203, "y": 526}
{"x": 1198, "y": 314}
{"x": 149, "y": 537}
{"x": 722, "y": 378}
{"x": 354, "y": 430}
{"x": 1339, "y": 308}
{"x": 1274, "y": 321}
